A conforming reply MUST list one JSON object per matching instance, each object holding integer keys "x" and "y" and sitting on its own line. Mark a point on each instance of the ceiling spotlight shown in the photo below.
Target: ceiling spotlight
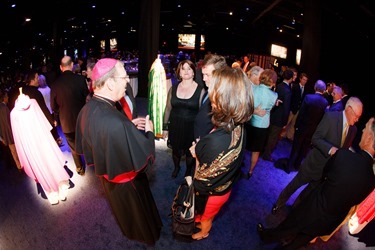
{"x": 231, "y": 13}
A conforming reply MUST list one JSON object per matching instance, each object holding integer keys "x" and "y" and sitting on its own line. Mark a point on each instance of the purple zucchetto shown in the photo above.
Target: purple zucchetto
{"x": 102, "y": 67}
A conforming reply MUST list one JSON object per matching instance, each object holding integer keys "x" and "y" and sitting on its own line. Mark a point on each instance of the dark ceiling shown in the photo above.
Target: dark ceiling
{"x": 250, "y": 19}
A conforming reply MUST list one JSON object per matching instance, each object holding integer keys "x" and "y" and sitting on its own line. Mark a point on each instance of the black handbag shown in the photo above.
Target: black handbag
{"x": 183, "y": 214}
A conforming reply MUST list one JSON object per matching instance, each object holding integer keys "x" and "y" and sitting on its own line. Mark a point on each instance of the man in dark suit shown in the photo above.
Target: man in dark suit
{"x": 328, "y": 93}
{"x": 203, "y": 124}
{"x": 337, "y": 104}
{"x": 279, "y": 114}
{"x": 329, "y": 136}
{"x": 311, "y": 112}
{"x": 68, "y": 96}
{"x": 348, "y": 179}
{"x": 298, "y": 94}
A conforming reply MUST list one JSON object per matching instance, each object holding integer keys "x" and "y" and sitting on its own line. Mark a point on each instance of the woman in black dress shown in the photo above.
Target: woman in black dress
{"x": 182, "y": 106}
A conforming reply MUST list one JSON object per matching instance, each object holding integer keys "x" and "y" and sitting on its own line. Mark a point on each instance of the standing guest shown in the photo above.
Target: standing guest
{"x": 311, "y": 112}
{"x": 337, "y": 104}
{"x": 120, "y": 153}
{"x": 89, "y": 67}
{"x": 6, "y": 136}
{"x": 219, "y": 154}
{"x": 298, "y": 93}
{"x": 254, "y": 74}
{"x": 246, "y": 63}
{"x": 39, "y": 155}
{"x": 203, "y": 124}
{"x": 182, "y": 106}
{"x": 257, "y": 127}
{"x": 335, "y": 130}
{"x": 68, "y": 95}
{"x": 348, "y": 179}
{"x": 32, "y": 90}
{"x": 279, "y": 114}
{"x": 50, "y": 74}
{"x": 328, "y": 93}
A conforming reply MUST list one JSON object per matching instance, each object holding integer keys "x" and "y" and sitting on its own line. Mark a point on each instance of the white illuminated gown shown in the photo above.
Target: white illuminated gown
{"x": 40, "y": 156}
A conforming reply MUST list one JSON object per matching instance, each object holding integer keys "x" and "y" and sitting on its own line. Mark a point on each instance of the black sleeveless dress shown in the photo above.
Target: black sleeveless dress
{"x": 181, "y": 119}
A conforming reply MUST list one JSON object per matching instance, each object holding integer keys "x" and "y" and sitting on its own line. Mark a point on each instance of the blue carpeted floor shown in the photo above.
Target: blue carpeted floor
{"x": 84, "y": 220}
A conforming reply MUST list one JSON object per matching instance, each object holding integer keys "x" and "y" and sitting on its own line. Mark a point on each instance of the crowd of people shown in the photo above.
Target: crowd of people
{"x": 213, "y": 115}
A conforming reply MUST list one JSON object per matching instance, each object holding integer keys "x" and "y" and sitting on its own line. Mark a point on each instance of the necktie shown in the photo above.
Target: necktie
{"x": 205, "y": 97}
{"x": 344, "y": 133}
{"x": 125, "y": 107}
{"x": 302, "y": 88}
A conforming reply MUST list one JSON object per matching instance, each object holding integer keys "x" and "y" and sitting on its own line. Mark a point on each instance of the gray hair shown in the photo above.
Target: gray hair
{"x": 255, "y": 70}
{"x": 354, "y": 102}
{"x": 320, "y": 86}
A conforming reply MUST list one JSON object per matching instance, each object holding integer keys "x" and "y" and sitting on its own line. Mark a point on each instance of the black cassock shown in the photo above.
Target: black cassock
{"x": 121, "y": 154}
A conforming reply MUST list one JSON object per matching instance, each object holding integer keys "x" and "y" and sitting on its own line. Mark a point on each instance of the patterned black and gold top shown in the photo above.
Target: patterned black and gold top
{"x": 220, "y": 154}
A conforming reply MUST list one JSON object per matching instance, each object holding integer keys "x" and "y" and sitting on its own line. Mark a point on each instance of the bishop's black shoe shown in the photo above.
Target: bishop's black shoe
{"x": 275, "y": 209}
{"x": 260, "y": 230}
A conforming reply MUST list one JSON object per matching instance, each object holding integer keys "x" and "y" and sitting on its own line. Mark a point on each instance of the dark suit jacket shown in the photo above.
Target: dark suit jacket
{"x": 203, "y": 124}
{"x": 344, "y": 99}
{"x": 311, "y": 112}
{"x": 327, "y": 134}
{"x": 348, "y": 179}
{"x": 296, "y": 100}
{"x": 337, "y": 106}
{"x": 280, "y": 113}
{"x": 68, "y": 96}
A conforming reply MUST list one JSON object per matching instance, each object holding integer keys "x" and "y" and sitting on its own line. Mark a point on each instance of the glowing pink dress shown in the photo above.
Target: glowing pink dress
{"x": 38, "y": 152}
